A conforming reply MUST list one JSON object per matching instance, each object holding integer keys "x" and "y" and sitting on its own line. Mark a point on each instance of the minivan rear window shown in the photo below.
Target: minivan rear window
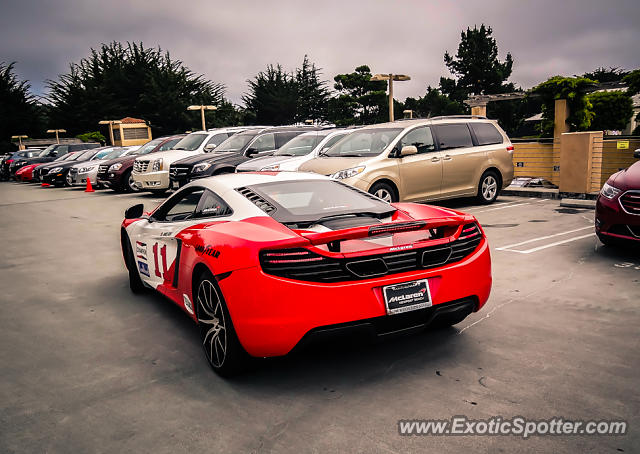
{"x": 486, "y": 133}
{"x": 453, "y": 136}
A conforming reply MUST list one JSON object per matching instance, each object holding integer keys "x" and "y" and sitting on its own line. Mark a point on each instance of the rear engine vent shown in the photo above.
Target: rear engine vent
{"x": 257, "y": 200}
{"x": 304, "y": 265}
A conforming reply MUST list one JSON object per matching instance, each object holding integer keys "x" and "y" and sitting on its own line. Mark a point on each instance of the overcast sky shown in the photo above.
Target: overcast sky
{"x": 232, "y": 41}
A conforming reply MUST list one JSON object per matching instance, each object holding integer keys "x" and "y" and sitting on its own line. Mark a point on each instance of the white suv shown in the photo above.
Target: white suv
{"x": 151, "y": 173}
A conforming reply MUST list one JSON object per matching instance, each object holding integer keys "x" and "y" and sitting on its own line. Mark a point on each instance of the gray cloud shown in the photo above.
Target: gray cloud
{"x": 230, "y": 42}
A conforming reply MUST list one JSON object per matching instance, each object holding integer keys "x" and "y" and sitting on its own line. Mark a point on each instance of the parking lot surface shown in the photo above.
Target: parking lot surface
{"x": 89, "y": 367}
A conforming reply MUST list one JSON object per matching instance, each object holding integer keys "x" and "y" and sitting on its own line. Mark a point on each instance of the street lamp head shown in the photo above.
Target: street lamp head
{"x": 19, "y": 137}
{"x": 52, "y": 131}
{"x": 202, "y": 107}
{"x": 109, "y": 122}
{"x": 378, "y": 77}
{"x": 401, "y": 77}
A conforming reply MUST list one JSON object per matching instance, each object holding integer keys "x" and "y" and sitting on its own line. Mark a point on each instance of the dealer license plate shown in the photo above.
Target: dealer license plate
{"x": 408, "y": 296}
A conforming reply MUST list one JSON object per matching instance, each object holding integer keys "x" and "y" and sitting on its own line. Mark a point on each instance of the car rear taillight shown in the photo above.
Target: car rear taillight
{"x": 9, "y": 161}
{"x": 288, "y": 257}
{"x": 510, "y": 149}
{"x": 469, "y": 231}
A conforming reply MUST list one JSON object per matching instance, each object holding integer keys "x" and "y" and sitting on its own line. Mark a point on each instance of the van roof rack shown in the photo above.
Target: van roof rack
{"x": 443, "y": 117}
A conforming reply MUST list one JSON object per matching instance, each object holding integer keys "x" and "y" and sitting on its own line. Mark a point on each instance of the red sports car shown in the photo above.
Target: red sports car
{"x": 26, "y": 173}
{"x": 618, "y": 207}
{"x": 265, "y": 261}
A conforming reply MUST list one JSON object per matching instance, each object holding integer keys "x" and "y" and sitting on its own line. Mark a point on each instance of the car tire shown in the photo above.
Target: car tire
{"x": 128, "y": 183}
{"x": 488, "y": 187}
{"x": 135, "y": 283}
{"x": 221, "y": 346}
{"x": 384, "y": 191}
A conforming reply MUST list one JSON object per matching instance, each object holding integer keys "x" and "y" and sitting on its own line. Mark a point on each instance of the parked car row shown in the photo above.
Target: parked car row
{"x": 405, "y": 160}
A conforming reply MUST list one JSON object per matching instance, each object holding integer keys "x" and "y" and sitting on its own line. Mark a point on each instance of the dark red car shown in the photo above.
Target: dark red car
{"x": 116, "y": 174}
{"x": 618, "y": 206}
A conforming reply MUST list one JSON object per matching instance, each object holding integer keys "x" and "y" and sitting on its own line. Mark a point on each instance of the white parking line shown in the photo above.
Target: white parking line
{"x": 545, "y": 246}
{"x": 502, "y": 207}
{"x": 539, "y": 248}
{"x": 546, "y": 237}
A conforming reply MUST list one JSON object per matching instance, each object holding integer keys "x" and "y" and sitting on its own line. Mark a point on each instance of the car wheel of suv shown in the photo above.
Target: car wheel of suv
{"x": 488, "y": 187}
{"x": 128, "y": 182}
{"x": 219, "y": 341}
{"x": 384, "y": 191}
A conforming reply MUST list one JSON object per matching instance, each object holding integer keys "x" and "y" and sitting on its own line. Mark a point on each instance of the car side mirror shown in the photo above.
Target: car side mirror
{"x": 134, "y": 212}
{"x": 408, "y": 150}
{"x": 636, "y": 154}
{"x": 251, "y": 151}
{"x": 209, "y": 147}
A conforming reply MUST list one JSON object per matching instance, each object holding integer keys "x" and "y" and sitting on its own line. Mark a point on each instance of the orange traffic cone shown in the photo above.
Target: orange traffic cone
{"x": 89, "y": 188}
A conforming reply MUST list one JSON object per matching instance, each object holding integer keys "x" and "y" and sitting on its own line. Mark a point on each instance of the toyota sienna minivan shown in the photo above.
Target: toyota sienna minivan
{"x": 422, "y": 159}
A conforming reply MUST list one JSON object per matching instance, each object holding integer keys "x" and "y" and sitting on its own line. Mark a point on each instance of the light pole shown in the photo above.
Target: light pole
{"x": 51, "y": 131}
{"x": 202, "y": 109}
{"x": 110, "y": 123}
{"x": 20, "y": 147}
{"x": 390, "y": 77}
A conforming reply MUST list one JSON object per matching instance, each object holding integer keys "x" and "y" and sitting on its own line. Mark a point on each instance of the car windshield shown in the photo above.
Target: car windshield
{"x": 365, "y": 142}
{"x": 84, "y": 156}
{"x": 47, "y": 150}
{"x": 190, "y": 142}
{"x": 168, "y": 145}
{"x": 307, "y": 202}
{"x": 114, "y": 153}
{"x": 67, "y": 157}
{"x": 300, "y": 145}
{"x": 235, "y": 143}
{"x": 147, "y": 147}
{"x": 101, "y": 154}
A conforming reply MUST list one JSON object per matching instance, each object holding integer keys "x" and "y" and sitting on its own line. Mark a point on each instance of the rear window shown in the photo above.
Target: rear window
{"x": 453, "y": 136}
{"x": 486, "y": 133}
{"x": 309, "y": 201}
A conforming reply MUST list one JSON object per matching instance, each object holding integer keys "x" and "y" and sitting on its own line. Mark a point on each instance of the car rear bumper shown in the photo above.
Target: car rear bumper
{"x": 272, "y": 315}
{"x": 150, "y": 181}
{"x": 612, "y": 221}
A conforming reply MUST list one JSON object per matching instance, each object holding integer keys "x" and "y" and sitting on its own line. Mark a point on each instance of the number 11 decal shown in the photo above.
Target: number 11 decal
{"x": 163, "y": 254}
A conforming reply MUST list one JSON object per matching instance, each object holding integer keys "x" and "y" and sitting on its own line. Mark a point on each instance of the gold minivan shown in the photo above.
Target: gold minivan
{"x": 422, "y": 159}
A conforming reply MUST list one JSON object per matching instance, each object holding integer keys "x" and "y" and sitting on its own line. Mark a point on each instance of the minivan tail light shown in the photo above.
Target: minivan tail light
{"x": 510, "y": 149}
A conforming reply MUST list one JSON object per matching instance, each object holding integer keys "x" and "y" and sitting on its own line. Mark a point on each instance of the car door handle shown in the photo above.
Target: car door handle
{"x": 435, "y": 159}
{"x": 446, "y": 158}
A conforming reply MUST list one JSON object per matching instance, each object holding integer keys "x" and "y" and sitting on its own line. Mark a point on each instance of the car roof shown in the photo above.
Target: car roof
{"x": 220, "y": 183}
{"x": 409, "y": 122}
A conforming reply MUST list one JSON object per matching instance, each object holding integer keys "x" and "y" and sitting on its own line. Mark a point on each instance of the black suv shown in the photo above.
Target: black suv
{"x": 233, "y": 151}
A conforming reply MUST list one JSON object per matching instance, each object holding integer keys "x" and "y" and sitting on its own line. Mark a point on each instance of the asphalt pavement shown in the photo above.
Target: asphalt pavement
{"x": 86, "y": 366}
